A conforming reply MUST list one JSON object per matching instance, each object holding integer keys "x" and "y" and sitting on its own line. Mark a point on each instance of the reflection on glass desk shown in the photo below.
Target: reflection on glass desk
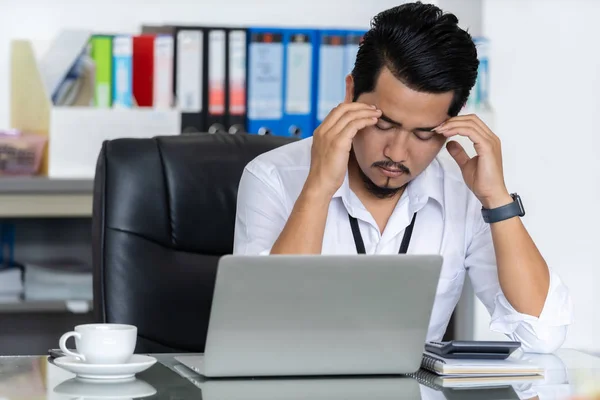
{"x": 567, "y": 375}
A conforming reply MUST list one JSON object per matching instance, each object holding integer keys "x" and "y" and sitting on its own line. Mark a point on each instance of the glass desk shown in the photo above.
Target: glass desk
{"x": 569, "y": 374}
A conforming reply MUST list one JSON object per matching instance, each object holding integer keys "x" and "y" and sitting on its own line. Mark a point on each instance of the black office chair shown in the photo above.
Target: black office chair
{"x": 163, "y": 215}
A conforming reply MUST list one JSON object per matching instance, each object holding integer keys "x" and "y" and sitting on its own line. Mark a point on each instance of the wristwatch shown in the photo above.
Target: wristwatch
{"x": 514, "y": 209}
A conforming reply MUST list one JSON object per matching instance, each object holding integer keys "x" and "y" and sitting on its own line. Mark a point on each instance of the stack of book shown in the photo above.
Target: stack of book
{"x": 438, "y": 372}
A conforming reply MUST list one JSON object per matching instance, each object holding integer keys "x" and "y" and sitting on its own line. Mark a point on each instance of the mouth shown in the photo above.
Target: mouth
{"x": 391, "y": 173}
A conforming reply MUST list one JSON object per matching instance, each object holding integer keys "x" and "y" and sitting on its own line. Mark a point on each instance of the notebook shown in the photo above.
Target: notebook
{"x": 479, "y": 368}
{"x": 439, "y": 382}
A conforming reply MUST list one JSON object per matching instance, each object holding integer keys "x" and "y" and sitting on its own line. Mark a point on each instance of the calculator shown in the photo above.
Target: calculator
{"x": 473, "y": 349}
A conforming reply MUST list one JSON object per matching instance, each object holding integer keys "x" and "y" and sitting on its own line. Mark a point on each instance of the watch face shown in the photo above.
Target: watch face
{"x": 520, "y": 204}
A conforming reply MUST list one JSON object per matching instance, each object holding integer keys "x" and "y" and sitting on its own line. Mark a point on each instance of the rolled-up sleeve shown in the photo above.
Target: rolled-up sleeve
{"x": 543, "y": 334}
{"x": 260, "y": 212}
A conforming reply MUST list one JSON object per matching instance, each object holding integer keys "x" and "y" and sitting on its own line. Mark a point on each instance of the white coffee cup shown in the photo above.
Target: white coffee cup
{"x": 101, "y": 343}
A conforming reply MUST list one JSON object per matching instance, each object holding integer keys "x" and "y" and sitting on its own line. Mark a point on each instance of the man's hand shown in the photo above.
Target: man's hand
{"x": 483, "y": 173}
{"x": 522, "y": 272}
{"x": 332, "y": 142}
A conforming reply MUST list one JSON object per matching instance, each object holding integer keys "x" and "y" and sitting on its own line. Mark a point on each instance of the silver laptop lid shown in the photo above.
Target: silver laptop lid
{"x": 320, "y": 315}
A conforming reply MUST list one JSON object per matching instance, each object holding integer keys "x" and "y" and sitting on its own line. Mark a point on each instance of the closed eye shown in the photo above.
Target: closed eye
{"x": 384, "y": 126}
{"x": 424, "y": 135}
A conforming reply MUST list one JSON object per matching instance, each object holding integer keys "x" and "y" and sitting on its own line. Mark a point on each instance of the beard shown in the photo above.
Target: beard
{"x": 381, "y": 192}
{"x": 385, "y": 191}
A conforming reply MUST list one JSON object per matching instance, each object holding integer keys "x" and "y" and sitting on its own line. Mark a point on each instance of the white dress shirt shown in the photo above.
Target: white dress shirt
{"x": 448, "y": 222}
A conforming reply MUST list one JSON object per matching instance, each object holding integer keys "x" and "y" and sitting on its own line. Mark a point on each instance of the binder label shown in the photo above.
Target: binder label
{"x": 237, "y": 72}
{"x": 299, "y": 75}
{"x": 216, "y": 72}
{"x": 103, "y": 95}
{"x": 163, "y": 71}
{"x": 189, "y": 70}
{"x": 266, "y": 76}
{"x": 123, "y": 89}
{"x": 331, "y": 79}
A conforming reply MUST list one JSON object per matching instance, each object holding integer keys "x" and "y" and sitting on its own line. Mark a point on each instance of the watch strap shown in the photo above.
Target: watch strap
{"x": 514, "y": 209}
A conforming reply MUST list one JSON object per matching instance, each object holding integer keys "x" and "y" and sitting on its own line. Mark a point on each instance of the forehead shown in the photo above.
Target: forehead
{"x": 408, "y": 106}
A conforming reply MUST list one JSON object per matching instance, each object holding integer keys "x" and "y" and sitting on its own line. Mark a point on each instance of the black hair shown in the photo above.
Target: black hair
{"x": 423, "y": 47}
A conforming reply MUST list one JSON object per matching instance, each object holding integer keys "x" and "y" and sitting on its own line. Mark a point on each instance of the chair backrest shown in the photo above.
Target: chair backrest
{"x": 163, "y": 214}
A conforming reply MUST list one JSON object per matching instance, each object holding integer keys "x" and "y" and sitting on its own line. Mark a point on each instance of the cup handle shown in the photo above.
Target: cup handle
{"x": 62, "y": 343}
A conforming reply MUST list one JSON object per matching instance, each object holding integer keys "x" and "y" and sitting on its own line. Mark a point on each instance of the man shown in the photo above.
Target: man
{"x": 370, "y": 181}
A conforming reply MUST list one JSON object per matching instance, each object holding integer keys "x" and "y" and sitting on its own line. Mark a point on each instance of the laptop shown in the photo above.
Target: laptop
{"x": 318, "y": 315}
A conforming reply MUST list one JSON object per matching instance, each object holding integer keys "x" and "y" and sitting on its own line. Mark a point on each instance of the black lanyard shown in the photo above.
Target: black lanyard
{"x": 360, "y": 245}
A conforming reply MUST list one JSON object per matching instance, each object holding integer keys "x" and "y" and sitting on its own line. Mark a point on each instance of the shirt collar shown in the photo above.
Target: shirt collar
{"x": 429, "y": 184}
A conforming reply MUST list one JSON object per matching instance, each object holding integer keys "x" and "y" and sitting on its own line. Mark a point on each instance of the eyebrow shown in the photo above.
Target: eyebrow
{"x": 391, "y": 121}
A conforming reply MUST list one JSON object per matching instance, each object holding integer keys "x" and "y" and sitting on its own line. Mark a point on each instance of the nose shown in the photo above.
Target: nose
{"x": 396, "y": 148}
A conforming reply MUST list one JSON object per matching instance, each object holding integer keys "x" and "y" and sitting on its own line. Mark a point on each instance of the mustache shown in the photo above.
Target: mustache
{"x": 392, "y": 165}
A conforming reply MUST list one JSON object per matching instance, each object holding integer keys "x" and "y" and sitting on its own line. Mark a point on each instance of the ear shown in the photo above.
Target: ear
{"x": 349, "y": 89}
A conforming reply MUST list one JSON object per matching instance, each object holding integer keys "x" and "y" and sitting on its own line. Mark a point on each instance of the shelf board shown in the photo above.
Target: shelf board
{"x": 42, "y": 197}
{"x": 44, "y": 185}
{"x": 57, "y": 306}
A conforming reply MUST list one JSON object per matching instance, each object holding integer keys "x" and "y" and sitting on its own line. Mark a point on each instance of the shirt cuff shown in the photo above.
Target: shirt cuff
{"x": 557, "y": 311}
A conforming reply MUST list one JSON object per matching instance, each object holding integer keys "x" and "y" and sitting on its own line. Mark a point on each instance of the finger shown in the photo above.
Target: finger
{"x": 473, "y": 119}
{"x": 352, "y": 128}
{"x": 464, "y": 125}
{"x": 351, "y": 116}
{"x": 339, "y": 111}
{"x": 458, "y": 153}
{"x": 451, "y": 124}
{"x": 482, "y": 143}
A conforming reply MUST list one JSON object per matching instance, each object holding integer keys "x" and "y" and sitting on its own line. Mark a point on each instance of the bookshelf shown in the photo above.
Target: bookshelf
{"x": 52, "y": 218}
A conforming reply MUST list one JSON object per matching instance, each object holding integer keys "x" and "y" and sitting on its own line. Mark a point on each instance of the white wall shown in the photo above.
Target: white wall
{"x": 545, "y": 88}
{"x": 41, "y": 19}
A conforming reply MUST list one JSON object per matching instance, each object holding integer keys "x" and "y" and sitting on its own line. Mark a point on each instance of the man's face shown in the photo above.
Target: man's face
{"x": 401, "y": 145}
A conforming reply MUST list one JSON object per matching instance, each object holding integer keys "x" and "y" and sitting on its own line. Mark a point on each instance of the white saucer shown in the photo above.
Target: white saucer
{"x": 102, "y": 390}
{"x": 105, "y": 372}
